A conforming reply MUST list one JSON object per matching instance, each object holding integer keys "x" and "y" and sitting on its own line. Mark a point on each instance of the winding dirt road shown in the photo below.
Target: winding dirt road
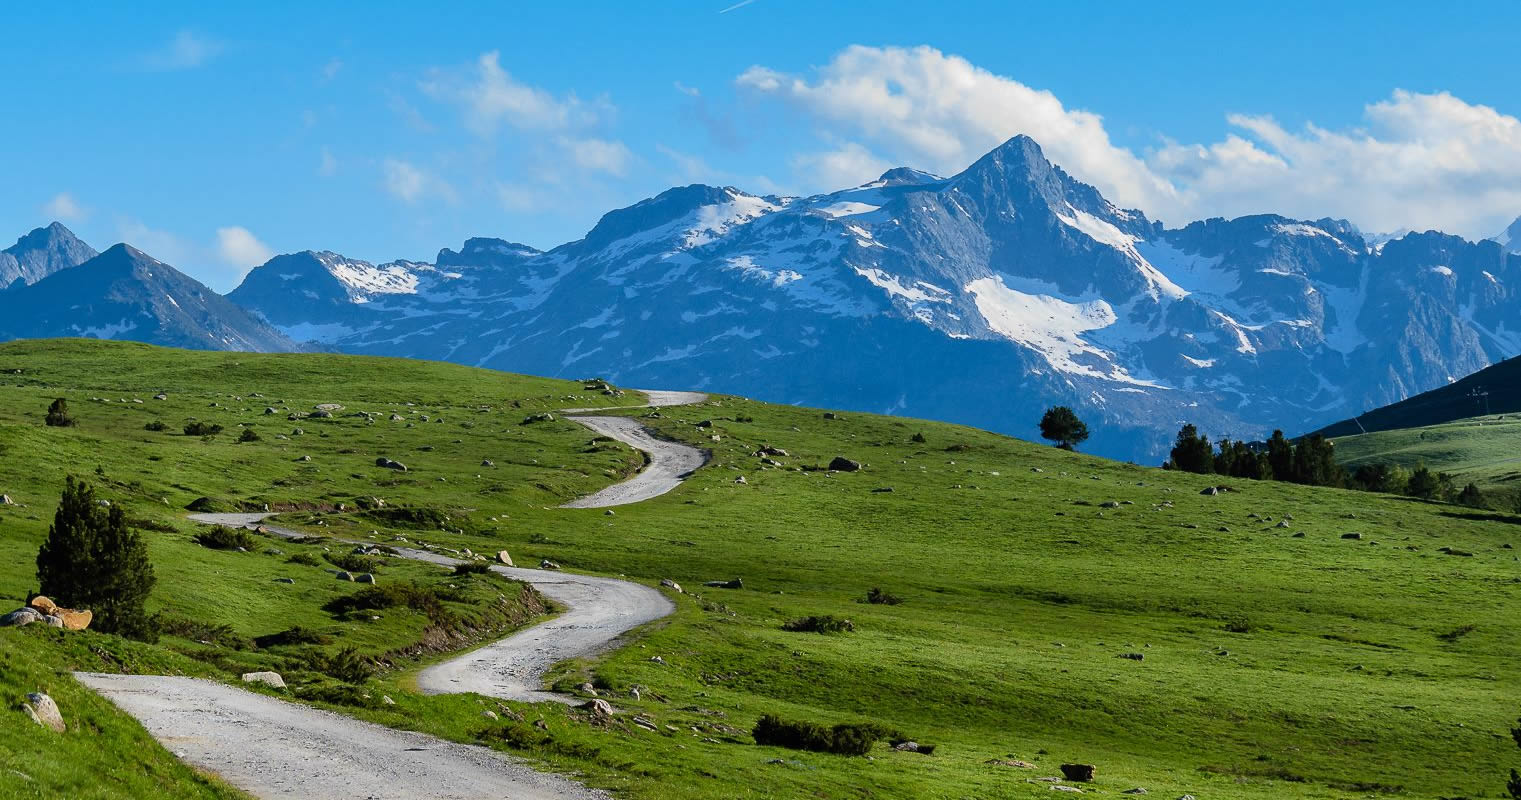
{"x": 276, "y": 749}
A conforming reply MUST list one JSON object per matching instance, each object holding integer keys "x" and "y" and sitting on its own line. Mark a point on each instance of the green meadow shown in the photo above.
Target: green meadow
{"x": 1055, "y": 607}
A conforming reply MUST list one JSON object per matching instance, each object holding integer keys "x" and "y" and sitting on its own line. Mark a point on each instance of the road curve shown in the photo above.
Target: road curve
{"x": 670, "y": 462}
{"x": 271, "y": 748}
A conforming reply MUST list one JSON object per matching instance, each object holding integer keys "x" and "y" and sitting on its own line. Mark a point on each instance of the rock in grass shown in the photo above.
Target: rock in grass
{"x": 1351, "y": 536}
{"x": 547, "y": 564}
{"x": 503, "y": 557}
{"x": 285, "y": 580}
{"x": 1109, "y": 504}
{"x": 44, "y": 711}
{"x": 271, "y": 679}
{"x": 672, "y": 585}
{"x": 842, "y": 464}
{"x": 1078, "y": 772}
{"x": 5, "y": 500}
{"x": 599, "y": 709}
{"x": 737, "y": 583}
{"x": 364, "y": 577}
{"x": 390, "y": 464}
{"x": 1209, "y": 490}
{"x": 343, "y": 575}
{"x": 21, "y": 616}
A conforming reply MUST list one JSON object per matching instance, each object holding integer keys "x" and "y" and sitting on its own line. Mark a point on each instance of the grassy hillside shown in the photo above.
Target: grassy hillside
{"x": 1274, "y": 666}
{"x": 1492, "y": 390}
{"x": 1482, "y": 450}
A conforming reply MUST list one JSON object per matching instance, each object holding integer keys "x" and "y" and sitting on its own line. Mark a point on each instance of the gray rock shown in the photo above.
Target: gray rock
{"x": 600, "y": 709}
{"x": 43, "y": 711}
{"x": 842, "y": 464}
{"x": 271, "y": 679}
{"x": 672, "y": 585}
{"x": 285, "y": 580}
{"x": 364, "y": 577}
{"x": 21, "y": 616}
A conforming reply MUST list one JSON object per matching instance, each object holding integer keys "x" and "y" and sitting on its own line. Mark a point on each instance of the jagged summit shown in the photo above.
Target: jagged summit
{"x": 41, "y": 253}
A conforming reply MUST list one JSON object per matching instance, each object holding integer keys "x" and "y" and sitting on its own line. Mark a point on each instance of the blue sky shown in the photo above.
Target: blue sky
{"x": 212, "y": 135}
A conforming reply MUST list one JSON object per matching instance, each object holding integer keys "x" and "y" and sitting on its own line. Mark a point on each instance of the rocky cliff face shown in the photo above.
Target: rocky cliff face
{"x": 41, "y": 253}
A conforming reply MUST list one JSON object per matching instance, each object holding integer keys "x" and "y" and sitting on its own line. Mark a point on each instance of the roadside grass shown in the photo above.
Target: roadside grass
{"x": 1273, "y": 666}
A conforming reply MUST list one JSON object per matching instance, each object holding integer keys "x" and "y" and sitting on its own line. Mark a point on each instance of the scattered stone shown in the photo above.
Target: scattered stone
{"x": 1209, "y": 490}
{"x": 285, "y": 580}
{"x": 1136, "y": 790}
{"x": 489, "y": 714}
{"x": 343, "y": 576}
{"x": 1298, "y": 535}
{"x": 882, "y": 490}
{"x": 530, "y": 419}
{"x": 389, "y": 464}
{"x": 1109, "y": 504}
{"x": 599, "y": 709}
{"x": 831, "y": 415}
{"x": 1078, "y": 772}
{"x": 161, "y": 396}
{"x": 609, "y": 513}
{"x": 486, "y": 462}
{"x": 1060, "y": 788}
{"x": 1351, "y": 536}
{"x": 672, "y": 585}
{"x": 1133, "y": 656}
{"x": 587, "y": 688}
{"x": 44, "y": 711}
{"x": 1453, "y": 551}
{"x": 737, "y": 583}
{"x": 1283, "y": 523}
{"x": 21, "y": 616}
{"x": 1010, "y": 762}
{"x": 5, "y": 500}
{"x": 741, "y": 480}
{"x": 842, "y": 464}
{"x": 547, "y": 564}
{"x": 267, "y": 678}
{"x": 386, "y": 699}
{"x": 907, "y": 747}
{"x": 768, "y": 450}
{"x": 502, "y": 557}
{"x": 364, "y": 577}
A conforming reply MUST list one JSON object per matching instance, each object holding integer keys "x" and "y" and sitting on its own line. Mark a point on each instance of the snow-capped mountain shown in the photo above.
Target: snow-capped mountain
{"x": 124, "y": 293}
{"x": 981, "y": 298}
{"x": 41, "y": 253}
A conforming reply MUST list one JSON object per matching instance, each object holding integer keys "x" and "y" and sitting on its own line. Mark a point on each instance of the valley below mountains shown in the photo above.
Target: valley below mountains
{"x": 981, "y": 298}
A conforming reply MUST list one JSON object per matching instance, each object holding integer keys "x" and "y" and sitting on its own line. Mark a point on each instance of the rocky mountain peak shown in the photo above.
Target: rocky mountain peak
{"x": 40, "y": 253}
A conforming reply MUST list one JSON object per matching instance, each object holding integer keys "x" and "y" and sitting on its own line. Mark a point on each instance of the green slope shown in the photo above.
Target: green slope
{"x": 1274, "y": 666}
{"x": 1492, "y": 390}
{"x": 1483, "y": 450}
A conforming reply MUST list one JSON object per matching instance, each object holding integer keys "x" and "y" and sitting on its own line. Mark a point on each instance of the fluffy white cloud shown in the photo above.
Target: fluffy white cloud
{"x": 1420, "y": 161}
{"x": 923, "y": 108}
{"x": 65, "y": 208}
{"x": 186, "y": 50}
{"x": 411, "y": 183}
{"x": 599, "y": 155}
{"x": 238, "y": 247}
{"x": 489, "y": 96}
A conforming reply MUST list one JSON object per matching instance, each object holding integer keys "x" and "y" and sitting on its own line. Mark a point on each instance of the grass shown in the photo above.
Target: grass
{"x": 1481, "y": 450}
{"x": 1272, "y": 666}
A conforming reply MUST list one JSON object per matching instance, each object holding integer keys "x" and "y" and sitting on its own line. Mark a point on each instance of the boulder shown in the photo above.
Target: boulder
{"x": 1078, "y": 772}
{"x": 44, "y": 711}
{"x": 737, "y": 583}
{"x": 343, "y": 575}
{"x": 43, "y": 604}
{"x": 322, "y": 414}
{"x": 52, "y": 620}
{"x": 271, "y": 679}
{"x": 364, "y": 577}
{"x": 390, "y": 464}
{"x": 1351, "y": 536}
{"x": 547, "y": 564}
{"x": 397, "y": 418}
{"x": 486, "y": 462}
{"x": 74, "y": 620}
{"x": 842, "y": 464}
{"x": 907, "y": 747}
{"x": 672, "y": 585}
{"x": 1209, "y": 490}
{"x": 21, "y": 616}
{"x": 5, "y": 500}
{"x": 831, "y": 415}
{"x": 587, "y": 688}
{"x": 768, "y": 450}
{"x": 502, "y": 557}
{"x": 599, "y": 709}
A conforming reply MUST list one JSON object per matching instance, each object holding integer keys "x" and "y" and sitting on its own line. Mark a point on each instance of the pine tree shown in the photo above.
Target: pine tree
{"x": 58, "y": 414}
{"x": 1423, "y": 484}
{"x": 1471, "y": 496}
{"x": 1513, "y": 786}
{"x": 91, "y": 559}
{"x": 1280, "y": 456}
{"x": 1061, "y": 425}
{"x": 1191, "y": 452}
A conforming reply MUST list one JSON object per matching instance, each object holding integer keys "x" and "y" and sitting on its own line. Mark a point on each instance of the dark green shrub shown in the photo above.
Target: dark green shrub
{"x": 346, "y": 665}
{"x": 224, "y": 538}
{"x": 471, "y": 568}
{"x": 826, "y": 623}
{"x": 379, "y": 596}
{"x": 248, "y": 435}
{"x": 917, "y": 438}
{"x": 878, "y": 597}
{"x": 91, "y": 559}
{"x": 304, "y": 558}
{"x": 195, "y": 630}
{"x": 199, "y": 428}
{"x": 851, "y": 739}
{"x": 296, "y": 635}
{"x": 58, "y": 414}
{"x": 156, "y": 426}
{"x": 353, "y": 562}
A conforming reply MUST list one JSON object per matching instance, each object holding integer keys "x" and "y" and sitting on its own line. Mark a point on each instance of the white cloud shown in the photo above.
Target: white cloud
{"x": 1421, "y": 161}
{"x": 331, "y": 69}
{"x": 411, "y": 183}
{"x": 689, "y": 91}
{"x": 327, "y": 167}
{"x": 65, "y": 208}
{"x": 186, "y": 50}
{"x": 238, "y": 247}
{"x": 848, "y": 165}
{"x": 490, "y": 96}
{"x": 598, "y": 155}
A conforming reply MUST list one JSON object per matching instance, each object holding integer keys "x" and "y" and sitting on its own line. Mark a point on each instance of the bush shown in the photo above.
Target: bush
{"x": 296, "y": 635}
{"x": 471, "y": 568}
{"x": 91, "y": 559}
{"x": 58, "y": 414}
{"x": 304, "y": 558}
{"x": 851, "y": 739}
{"x": 248, "y": 435}
{"x": 1238, "y": 625}
{"x": 199, "y": 428}
{"x": 205, "y": 632}
{"x": 877, "y": 597}
{"x": 346, "y": 665}
{"x": 156, "y": 426}
{"x": 353, "y": 562}
{"x": 370, "y": 598}
{"x": 826, "y": 623}
{"x": 917, "y": 438}
{"x": 224, "y": 538}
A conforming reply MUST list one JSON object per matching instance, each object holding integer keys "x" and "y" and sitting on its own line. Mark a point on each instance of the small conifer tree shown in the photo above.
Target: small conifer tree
{"x": 92, "y": 560}
{"x": 58, "y": 414}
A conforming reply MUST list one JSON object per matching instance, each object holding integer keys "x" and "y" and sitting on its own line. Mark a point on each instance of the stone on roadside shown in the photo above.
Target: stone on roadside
{"x": 271, "y": 679}
{"x": 503, "y": 557}
{"x": 672, "y": 585}
{"x": 599, "y": 709}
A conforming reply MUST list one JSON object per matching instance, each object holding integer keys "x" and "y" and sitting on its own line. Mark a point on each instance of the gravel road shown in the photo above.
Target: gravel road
{"x": 274, "y": 749}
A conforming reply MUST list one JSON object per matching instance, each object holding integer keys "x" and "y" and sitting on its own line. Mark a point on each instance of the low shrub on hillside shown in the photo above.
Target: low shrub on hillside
{"x": 379, "y": 596}
{"x": 850, "y": 739}
{"x": 353, "y": 562}
{"x": 346, "y": 665}
{"x": 156, "y": 426}
{"x": 199, "y": 631}
{"x": 248, "y": 435}
{"x": 224, "y": 538}
{"x": 295, "y": 635}
{"x": 199, "y": 428}
{"x": 878, "y": 597}
{"x": 825, "y": 623}
{"x": 306, "y": 559}
{"x": 471, "y": 568}
{"x": 145, "y": 524}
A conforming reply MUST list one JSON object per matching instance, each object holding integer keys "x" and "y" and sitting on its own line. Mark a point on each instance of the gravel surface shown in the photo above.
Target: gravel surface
{"x": 274, "y": 749}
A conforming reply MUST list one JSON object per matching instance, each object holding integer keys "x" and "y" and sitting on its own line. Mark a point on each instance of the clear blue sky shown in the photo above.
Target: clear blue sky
{"x": 211, "y": 134}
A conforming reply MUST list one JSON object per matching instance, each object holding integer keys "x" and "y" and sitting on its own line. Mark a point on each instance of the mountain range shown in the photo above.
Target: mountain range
{"x": 980, "y": 298}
